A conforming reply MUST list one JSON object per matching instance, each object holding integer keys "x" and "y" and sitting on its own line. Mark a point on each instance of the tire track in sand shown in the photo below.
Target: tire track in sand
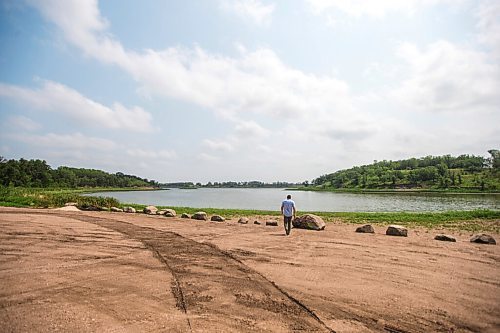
{"x": 215, "y": 290}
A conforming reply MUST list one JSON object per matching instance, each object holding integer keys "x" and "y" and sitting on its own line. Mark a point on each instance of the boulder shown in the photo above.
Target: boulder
{"x": 116, "y": 209}
{"x": 309, "y": 221}
{"x": 150, "y": 210}
{"x": 185, "y": 216}
{"x": 272, "y": 223}
{"x": 256, "y": 222}
{"x": 483, "y": 239}
{"x": 129, "y": 209}
{"x": 243, "y": 220}
{"x": 396, "y": 230}
{"x": 445, "y": 238}
{"x": 90, "y": 208}
{"x": 367, "y": 228}
{"x": 169, "y": 213}
{"x": 70, "y": 204}
{"x": 217, "y": 218}
{"x": 200, "y": 216}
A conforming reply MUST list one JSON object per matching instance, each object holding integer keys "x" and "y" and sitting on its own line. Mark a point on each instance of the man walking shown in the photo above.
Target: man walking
{"x": 288, "y": 211}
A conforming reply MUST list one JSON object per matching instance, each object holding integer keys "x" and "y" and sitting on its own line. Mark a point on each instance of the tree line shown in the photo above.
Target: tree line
{"x": 37, "y": 173}
{"x": 439, "y": 172}
{"x": 230, "y": 184}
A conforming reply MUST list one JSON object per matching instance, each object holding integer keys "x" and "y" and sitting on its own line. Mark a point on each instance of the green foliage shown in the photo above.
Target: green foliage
{"x": 36, "y": 174}
{"x": 462, "y": 173}
{"x": 233, "y": 184}
{"x": 45, "y": 198}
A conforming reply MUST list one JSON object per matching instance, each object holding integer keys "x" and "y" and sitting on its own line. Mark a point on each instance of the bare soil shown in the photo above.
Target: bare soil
{"x": 117, "y": 272}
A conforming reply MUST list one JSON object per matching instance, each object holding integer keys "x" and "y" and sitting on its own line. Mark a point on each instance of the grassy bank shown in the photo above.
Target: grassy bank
{"x": 51, "y": 198}
{"x": 476, "y": 220}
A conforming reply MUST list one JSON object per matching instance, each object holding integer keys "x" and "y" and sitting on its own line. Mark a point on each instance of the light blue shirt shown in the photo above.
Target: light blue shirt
{"x": 288, "y": 206}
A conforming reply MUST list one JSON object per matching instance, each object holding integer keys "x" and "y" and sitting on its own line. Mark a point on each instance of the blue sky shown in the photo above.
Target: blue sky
{"x": 243, "y": 90}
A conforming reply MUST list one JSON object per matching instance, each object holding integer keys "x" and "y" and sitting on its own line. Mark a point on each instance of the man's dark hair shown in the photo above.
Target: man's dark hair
{"x": 289, "y": 196}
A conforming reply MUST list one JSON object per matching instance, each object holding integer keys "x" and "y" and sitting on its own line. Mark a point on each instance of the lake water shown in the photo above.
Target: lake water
{"x": 270, "y": 199}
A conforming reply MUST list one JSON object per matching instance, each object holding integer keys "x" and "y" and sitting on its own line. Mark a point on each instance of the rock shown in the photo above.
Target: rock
{"x": 309, "y": 221}
{"x": 200, "y": 216}
{"x": 396, "y": 230}
{"x": 70, "y": 204}
{"x": 256, "y": 222}
{"x": 445, "y": 238}
{"x": 185, "y": 216}
{"x": 243, "y": 220}
{"x": 90, "y": 208}
{"x": 129, "y": 209}
{"x": 367, "y": 228}
{"x": 217, "y": 218}
{"x": 170, "y": 213}
{"x": 150, "y": 210}
{"x": 483, "y": 239}
{"x": 69, "y": 208}
{"x": 272, "y": 223}
{"x": 116, "y": 209}
{"x": 104, "y": 209}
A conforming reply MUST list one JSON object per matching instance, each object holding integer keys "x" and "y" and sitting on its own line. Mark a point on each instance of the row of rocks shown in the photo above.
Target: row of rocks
{"x": 397, "y": 230}
{"x": 307, "y": 221}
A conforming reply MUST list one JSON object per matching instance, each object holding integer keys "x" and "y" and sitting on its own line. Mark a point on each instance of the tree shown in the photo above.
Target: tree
{"x": 495, "y": 158}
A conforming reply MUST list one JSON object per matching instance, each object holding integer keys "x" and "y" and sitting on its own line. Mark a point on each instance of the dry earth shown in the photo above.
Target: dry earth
{"x": 117, "y": 272}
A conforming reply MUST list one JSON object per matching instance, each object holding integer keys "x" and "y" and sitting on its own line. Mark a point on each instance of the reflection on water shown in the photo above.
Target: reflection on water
{"x": 270, "y": 199}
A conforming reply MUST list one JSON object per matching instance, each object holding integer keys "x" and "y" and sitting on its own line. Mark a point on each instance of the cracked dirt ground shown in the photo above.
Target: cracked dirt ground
{"x": 87, "y": 271}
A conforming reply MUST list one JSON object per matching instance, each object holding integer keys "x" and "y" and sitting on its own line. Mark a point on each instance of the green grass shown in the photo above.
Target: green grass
{"x": 50, "y": 198}
{"x": 475, "y": 220}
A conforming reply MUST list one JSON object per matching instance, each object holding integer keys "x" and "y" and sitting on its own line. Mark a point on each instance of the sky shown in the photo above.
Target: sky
{"x": 241, "y": 90}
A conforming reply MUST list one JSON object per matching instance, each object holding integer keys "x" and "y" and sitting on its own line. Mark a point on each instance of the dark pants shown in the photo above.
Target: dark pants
{"x": 288, "y": 224}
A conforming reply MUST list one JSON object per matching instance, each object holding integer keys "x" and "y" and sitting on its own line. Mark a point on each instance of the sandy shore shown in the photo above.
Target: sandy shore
{"x": 118, "y": 272}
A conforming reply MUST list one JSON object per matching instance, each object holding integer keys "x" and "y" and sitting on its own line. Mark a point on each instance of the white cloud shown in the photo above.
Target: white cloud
{"x": 250, "y": 129}
{"x": 370, "y": 8}
{"x": 253, "y": 10}
{"x": 204, "y": 157}
{"x": 76, "y": 142}
{"x": 488, "y": 15}
{"x": 153, "y": 154}
{"x": 218, "y": 145}
{"x": 255, "y": 82}
{"x": 55, "y": 97}
{"x": 23, "y": 123}
{"x": 446, "y": 77}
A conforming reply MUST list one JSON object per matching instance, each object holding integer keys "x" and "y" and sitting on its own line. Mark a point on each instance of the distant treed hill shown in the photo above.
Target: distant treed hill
{"x": 231, "y": 184}
{"x": 464, "y": 172}
{"x": 36, "y": 173}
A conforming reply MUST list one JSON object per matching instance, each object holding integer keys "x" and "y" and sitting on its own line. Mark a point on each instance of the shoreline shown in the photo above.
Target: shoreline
{"x": 393, "y": 191}
{"x": 479, "y": 219}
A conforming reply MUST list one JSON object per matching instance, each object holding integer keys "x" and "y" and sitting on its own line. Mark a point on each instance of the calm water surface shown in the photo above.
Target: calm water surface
{"x": 270, "y": 199}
